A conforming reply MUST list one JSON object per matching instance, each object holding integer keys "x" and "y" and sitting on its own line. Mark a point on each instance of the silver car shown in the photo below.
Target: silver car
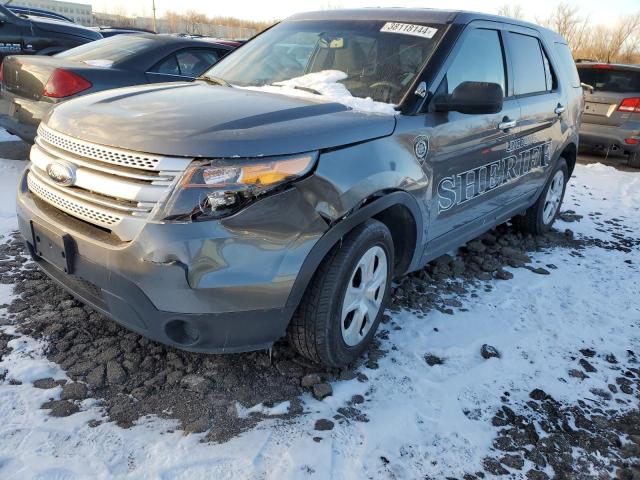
{"x": 611, "y": 119}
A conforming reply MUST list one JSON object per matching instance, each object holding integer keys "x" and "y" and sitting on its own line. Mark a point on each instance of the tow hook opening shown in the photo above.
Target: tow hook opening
{"x": 182, "y": 332}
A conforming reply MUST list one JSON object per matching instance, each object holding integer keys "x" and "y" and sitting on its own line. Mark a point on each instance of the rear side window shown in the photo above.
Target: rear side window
{"x": 480, "y": 59}
{"x": 567, "y": 63}
{"x": 530, "y": 74}
{"x": 188, "y": 63}
{"x": 609, "y": 79}
{"x": 194, "y": 63}
{"x": 168, "y": 66}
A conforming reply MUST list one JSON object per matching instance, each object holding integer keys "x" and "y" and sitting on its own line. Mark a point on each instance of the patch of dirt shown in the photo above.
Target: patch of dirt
{"x": 590, "y": 439}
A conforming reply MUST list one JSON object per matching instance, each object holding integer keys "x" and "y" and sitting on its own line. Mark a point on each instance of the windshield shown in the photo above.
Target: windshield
{"x": 366, "y": 59}
{"x": 107, "y": 51}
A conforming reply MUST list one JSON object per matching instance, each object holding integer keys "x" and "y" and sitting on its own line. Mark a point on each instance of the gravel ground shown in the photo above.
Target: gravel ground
{"x": 133, "y": 377}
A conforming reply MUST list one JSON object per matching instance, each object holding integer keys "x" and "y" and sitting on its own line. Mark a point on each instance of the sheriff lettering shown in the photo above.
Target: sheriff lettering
{"x": 458, "y": 189}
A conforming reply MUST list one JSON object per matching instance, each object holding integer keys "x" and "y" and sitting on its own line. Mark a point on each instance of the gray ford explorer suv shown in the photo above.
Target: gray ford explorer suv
{"x": 282, "y": 193}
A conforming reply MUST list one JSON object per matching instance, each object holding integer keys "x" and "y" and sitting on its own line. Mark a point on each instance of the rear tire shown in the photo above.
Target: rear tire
{"x": 540, "y": 216}
{"x": 340, "y": 311}
{"x": 634, "y": 159}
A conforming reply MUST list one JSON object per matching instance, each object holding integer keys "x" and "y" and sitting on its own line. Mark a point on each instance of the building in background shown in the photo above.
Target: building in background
{"x": 81, "y": 13}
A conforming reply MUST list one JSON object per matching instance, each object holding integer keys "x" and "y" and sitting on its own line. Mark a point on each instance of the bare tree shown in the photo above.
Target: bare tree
{"x": 623, "y": 36}
{"x": 194, "y": 20}
{"x": 174, "y": 21}
{"x": 615, "y": 43}
{"x": 568, "y": 22}
{"x": 512, "y": 11}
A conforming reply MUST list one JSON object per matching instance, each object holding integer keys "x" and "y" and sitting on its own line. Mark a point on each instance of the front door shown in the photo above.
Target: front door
{"x": 469, "y": 153}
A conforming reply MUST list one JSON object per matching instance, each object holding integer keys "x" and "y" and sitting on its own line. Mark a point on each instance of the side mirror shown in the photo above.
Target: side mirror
{"x": 472, "y": 98}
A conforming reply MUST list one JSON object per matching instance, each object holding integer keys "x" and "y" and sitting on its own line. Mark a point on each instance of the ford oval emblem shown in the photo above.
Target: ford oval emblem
{"x": 64, "y": 174}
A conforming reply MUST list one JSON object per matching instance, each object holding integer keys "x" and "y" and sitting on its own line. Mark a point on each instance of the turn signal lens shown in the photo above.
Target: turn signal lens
{"x": 630, "y": 105}
{"x": 219, "y": 188}
{"x": 63, "y": 83}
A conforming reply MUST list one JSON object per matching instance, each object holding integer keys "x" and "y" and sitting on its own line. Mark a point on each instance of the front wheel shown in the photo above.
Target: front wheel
{"x": 540, "y": 216}
{"x": 342, "y": 306}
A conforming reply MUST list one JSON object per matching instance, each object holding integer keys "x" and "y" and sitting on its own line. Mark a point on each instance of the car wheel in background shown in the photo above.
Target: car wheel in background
{"x": 344, "y": 302}
{"x": 539, "y": 218}
{"x": 634, "y": 159}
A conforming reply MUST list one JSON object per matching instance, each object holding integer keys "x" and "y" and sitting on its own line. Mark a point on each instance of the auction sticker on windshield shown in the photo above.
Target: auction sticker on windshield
{"x": 409, "y": 29}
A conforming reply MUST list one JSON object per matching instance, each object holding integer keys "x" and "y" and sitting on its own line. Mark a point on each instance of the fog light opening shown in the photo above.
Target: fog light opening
{"x": 181, "y": 332}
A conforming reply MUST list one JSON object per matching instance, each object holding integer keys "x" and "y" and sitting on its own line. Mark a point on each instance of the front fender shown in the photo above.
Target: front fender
{"x": 368, "y": 209}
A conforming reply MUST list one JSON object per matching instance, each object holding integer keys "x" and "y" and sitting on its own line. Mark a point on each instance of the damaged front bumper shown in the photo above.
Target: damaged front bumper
{"x": 214, "y": 287}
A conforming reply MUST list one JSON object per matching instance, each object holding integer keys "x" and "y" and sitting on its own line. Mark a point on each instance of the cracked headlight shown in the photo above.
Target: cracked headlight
{"x": 214, "y": 189}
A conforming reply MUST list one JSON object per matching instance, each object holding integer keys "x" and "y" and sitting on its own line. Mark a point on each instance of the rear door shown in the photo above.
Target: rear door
{"x": 543, "y": 109}
{"x": 468, "y": 150}
{"x": 616, "y": 93}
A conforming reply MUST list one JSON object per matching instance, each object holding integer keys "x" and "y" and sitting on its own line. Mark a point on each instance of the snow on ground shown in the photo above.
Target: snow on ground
{"x": 418, "y": 425}
{"x": 9, "y": 171}
{"x": 326, "y": 83}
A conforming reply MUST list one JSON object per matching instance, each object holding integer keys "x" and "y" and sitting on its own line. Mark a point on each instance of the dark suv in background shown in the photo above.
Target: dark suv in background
{"x": 39, "y": 35}
{"x": 611, "y": 120}
{"x": 282, "y": 193}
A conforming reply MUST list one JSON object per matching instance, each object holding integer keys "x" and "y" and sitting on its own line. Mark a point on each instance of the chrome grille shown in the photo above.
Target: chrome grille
{"x": 71, "y": 206}
{"x": 113, "y": 188}
{"x": 103, "y": 154}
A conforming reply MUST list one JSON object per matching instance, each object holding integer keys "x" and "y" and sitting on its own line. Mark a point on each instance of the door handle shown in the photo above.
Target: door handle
{"x": 559, "y": 109}
{"x": 507, "y": 124}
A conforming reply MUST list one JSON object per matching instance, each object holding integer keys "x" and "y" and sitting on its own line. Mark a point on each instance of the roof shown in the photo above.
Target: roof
{"x": 167, "y": 38}
{"x": 394, "y": 14}
{"x": 426, "y": 15}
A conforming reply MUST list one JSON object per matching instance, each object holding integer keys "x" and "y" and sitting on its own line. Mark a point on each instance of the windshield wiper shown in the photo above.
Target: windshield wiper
{"x": 215, "y": 81}
{"x": 307, "y": 89}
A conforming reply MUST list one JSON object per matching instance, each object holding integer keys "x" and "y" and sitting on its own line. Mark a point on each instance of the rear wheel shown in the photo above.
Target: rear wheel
{"x": 539, "y": 218}
{"x": 342, "y": 306}
{"x": 634, "y": 159}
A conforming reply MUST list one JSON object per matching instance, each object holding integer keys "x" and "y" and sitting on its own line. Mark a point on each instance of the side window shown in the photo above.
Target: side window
{"x": 549, "y": 73}
{"x": 566, "y": 60}
{"x": 168, "y": 66}
{"x": 480, "y": 59}
{"x": 194, "y": 63}
{"x": 530, "y": 74}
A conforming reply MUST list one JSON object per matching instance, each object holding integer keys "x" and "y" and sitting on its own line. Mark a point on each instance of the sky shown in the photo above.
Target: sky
{"x": 598, "y": 10}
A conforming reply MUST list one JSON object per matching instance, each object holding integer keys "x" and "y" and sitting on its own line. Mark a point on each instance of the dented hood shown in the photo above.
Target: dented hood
{"x": 201, "y": 120}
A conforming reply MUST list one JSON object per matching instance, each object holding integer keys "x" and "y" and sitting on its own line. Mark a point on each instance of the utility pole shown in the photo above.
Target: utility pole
{"x": 155, "y": 27}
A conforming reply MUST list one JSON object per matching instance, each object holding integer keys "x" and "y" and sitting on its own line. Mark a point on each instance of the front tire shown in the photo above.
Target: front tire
{"x": 344, "y": 302}
{"x": 539, "y": 218}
